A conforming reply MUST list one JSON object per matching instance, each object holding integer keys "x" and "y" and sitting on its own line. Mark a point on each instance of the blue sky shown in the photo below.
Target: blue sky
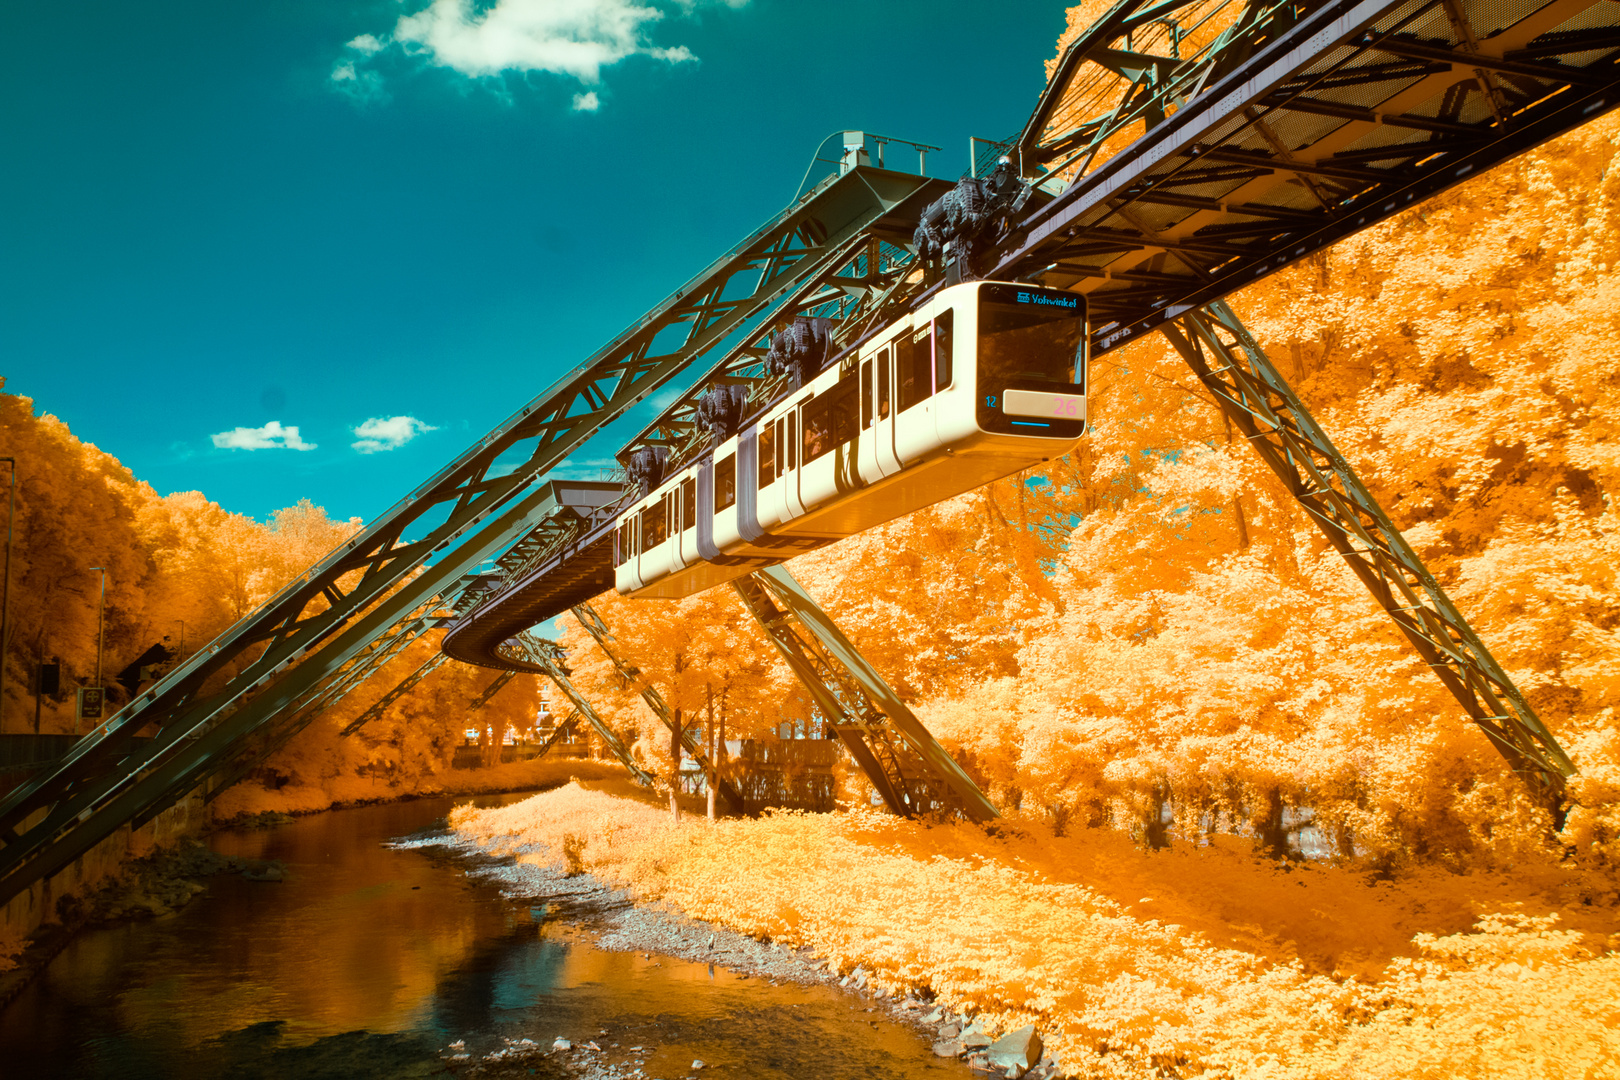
{"x": 388, "y": 224}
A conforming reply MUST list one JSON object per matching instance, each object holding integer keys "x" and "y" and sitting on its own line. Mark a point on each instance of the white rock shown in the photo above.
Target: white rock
{"x": 562, "y": 1044}
{"x": 697, "y": 1063}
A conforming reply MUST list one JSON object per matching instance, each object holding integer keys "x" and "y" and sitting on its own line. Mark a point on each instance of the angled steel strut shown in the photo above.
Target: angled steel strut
{"x": 593, "y": 624}
{"x": 548, "y": 658}
{"x": 403, "y": 687}
{"x": 910, "y": 770}
{"x": 1251, "y": 391}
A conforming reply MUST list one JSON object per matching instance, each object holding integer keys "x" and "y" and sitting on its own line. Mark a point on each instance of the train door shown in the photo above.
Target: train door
{"x": 789, "y": 443}
{"x": 689, "y": 504}
{"x": 870, "y": 436}
{"x": 883, "y": 412}
{"x": 914, "y": 435}
{"x": 680, "y": 520}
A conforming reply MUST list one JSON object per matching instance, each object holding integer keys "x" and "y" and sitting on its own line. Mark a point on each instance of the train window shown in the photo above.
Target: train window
{"x": 767, "y": 454}
{"x": 866, "y": 394}
{"x": 818, "y": 427}
{"x": 781, "y": 450}
{"x": 653, "y": 524}
{"x": 725, "y": 482}
{"x": 790, "y": 444}
{"x": 688, "y": 504}
{"x": 1034, "y": 339}
{"x": 942, "y": 351}
{"x": 911, "y": 373}
{"x": 883, "y": 384}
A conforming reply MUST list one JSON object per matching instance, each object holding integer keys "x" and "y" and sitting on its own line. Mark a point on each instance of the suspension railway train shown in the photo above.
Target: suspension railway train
{"x": 985, "y": 379}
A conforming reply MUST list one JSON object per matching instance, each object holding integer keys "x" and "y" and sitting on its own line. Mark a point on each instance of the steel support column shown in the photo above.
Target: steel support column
{"x": 550, "y": 657}
{"x": 912, "y": 773}
{"x": 405, "y": 686}
{"x": 495, "y": 687}
{"x": 593, "y": 624}
{"x": 1251, "y": 391}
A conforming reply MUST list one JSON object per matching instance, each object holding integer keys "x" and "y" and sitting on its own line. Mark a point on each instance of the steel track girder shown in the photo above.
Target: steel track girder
{"x": 309, "y": 612}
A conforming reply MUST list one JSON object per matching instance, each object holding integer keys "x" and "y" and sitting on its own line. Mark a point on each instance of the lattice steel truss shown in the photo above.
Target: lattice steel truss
{"x": 598, "y": 629}
{"x": 549, "y": 658}
{"x": 471, "y": 510}
{"x": 1194, "y": 147}
{"x": 247, "y": 754}
{"x": 912, "y": 773}
{"x": 1276, "y": 423}
{"x": 1182, "y": 150}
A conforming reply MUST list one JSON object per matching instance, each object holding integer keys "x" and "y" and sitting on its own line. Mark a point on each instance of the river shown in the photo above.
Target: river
{"x": 370, "y": 961}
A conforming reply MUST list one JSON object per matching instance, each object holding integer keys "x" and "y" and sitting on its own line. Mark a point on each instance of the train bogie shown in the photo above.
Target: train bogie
{"x": 986, "y": 379}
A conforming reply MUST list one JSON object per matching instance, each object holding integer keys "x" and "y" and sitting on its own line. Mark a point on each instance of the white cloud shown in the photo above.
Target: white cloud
{"x": 572, "y": 38}
{"x": 388, "y": 433}
{"x": 362, "y": 84}
{"x": 272, "y": 436}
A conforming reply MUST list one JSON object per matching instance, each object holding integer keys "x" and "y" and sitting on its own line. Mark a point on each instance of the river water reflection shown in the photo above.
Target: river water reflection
{"x": 368, "y": 961}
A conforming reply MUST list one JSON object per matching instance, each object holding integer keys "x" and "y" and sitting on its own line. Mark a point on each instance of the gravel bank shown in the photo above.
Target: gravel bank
{"x": 609, "y": 918}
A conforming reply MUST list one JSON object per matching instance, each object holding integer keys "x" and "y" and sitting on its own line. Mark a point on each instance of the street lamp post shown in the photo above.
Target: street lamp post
{"x": 5, "y": 605}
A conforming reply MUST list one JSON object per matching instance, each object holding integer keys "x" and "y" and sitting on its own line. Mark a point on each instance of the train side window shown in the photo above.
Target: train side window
{"x": 942, "y": 350}
{"x": 725, "y": 482}
{"x": 622, "y": 549}
{"x": 911, "y": 373}
{"x": 653, "y": 523}
{"x": 883, "y": 384}
{"x": 767, "y": 455}
{"x": 866, "y": 394}
{"x": 688, "y": 504}
{"x": 781, "y": 448}
{"x": 817, "y": 428}
{"x": 790, "y": 444}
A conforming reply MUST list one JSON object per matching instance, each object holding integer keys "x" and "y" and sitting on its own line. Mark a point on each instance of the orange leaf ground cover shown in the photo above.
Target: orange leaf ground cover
{"x": 1180, "y": 962}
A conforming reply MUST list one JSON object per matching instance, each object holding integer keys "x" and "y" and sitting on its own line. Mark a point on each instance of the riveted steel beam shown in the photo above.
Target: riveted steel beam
{"x": 912, "y": 773}
{"x": 1252, "y": 392}
{"x": 403, "y": 687}
{"x": 548, "y": 657}
{"x": 631, "y": 674}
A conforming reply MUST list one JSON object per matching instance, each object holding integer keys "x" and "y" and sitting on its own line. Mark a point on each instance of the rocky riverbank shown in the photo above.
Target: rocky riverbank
{"x": 609, "y": 918}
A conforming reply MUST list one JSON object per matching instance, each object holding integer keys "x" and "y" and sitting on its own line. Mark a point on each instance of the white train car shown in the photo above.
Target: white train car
{"x": 985, "y": 379}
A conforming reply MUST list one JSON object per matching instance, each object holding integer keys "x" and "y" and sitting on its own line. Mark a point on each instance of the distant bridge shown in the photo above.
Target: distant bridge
{"x": 1181, "y": 151}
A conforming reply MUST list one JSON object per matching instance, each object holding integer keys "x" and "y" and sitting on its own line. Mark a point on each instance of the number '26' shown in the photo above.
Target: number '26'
{"x": 1066, "y": 406}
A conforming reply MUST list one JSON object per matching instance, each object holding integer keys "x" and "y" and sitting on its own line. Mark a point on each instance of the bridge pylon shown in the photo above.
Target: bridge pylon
{"x": 549, "y": 657}
{"x": 593, "y": 624}
{"x": 1254, "y": 395}
{"x": 911, "y": 771}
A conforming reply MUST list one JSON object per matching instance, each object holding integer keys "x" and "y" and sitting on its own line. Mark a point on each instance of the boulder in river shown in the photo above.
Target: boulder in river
{"x": 974, "y": 1039}
{"x": 948, "y": 1048}
{"x": 1021, "y": 1048}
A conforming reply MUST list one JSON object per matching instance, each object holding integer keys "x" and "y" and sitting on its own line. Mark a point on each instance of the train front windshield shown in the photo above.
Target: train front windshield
{"x": 1028, "y": 336}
